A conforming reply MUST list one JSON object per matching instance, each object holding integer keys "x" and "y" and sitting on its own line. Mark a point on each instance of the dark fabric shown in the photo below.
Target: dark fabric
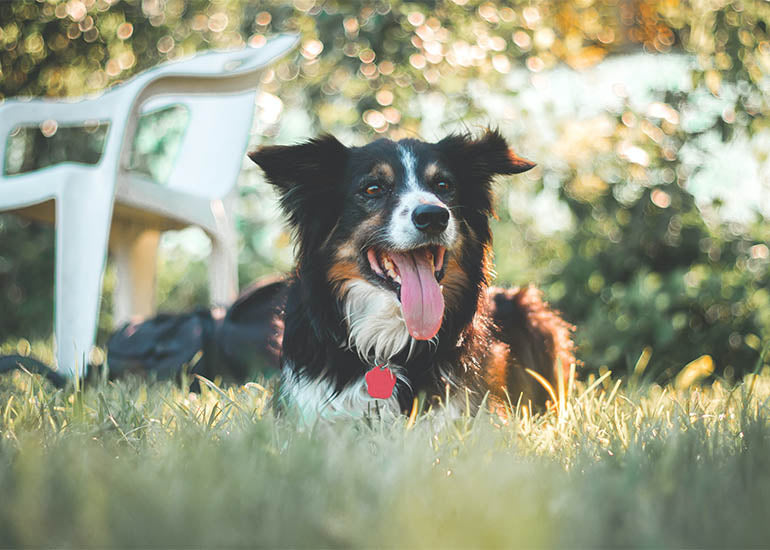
{"x": 245, "y": 341}
{"x": 11, "y": 362}
{"x": 249, "y": 338}
{"x": 161, "y": 345}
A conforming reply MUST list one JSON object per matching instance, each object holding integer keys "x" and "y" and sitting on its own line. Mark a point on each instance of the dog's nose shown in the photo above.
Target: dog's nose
{"x": 430, "y": 218}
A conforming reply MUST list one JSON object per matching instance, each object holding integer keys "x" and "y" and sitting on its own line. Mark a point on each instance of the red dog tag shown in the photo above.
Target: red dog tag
{"x": 380, "y": 382}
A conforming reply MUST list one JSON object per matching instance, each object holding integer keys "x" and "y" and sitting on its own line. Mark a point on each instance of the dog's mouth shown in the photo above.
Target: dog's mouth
{"x": 414, "y": 276}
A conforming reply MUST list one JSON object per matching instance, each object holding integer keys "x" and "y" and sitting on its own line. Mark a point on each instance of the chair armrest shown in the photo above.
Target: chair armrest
{"x": 213, "y": 72}
{"x": 15, "y": 112}
{"x": 227, "y": 63}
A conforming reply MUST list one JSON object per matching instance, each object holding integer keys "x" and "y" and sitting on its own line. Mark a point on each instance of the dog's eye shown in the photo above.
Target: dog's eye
{"x": 443, "y": 186}
{"x": 373, "y": 190}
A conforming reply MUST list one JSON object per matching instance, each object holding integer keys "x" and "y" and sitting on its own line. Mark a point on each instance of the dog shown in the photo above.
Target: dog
{"x": 393, "y": 269}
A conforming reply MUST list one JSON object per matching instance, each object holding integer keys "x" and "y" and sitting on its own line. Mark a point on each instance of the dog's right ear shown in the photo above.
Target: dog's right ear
{"x": 308, "y": 178}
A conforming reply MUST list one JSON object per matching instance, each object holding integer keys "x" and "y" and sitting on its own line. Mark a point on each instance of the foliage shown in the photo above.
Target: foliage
{"x": 24, "y": 272}
{"x": 641, "y": 267}
{"x": 141, "y": 464}
{"x": 645, "y": 267}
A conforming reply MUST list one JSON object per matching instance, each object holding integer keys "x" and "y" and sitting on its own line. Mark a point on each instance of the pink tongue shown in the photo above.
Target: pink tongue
{"x": 421, "y": 300}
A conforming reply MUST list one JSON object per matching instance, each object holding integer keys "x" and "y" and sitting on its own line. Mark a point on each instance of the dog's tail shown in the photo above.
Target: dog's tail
{"x": 537, "y": 336}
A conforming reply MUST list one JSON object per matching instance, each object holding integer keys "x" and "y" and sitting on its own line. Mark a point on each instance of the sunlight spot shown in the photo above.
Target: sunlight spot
{"x": 417, "y": 61}
{"x": 312, "y": 49}
{"x": 522, "y": 40}
{"x": 125, "y": 30}
{"x": 48, "y": 127}
{"x": 660, "y": 198}
{"x": 263, "y": 18}
{"x": 501, "y": 64}
{"x": 218, "y": 22}
{"x": 415, "y": 18}
{"x": 760, "y": 252}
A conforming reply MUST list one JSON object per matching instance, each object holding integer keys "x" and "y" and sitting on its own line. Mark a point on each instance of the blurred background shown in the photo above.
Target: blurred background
{"x": 644, "y": 221}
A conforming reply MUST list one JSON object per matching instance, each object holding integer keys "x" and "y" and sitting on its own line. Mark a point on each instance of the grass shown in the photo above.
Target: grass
{"x": 137, "y": 464}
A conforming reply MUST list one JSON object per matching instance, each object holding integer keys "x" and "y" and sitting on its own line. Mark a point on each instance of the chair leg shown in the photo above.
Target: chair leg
{"x": 83, "y": 214}
{"x": 223, "y": 269}
{"x": 135, "y": 252}
{"x": 223, "y": 263}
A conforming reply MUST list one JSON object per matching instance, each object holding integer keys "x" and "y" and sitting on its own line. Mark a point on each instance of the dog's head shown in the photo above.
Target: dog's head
{"x": 409, "y": 218}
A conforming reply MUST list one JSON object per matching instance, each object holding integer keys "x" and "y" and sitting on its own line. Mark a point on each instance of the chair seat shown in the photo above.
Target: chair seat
{"x": 138, "y": 199}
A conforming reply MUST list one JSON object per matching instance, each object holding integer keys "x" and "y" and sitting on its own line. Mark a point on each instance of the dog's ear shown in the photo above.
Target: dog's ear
{"x": 476, "y": 161}
{"x": 308, "y": 178}
{"x": 485, "y": 157}
{"x": 309, "y": 163}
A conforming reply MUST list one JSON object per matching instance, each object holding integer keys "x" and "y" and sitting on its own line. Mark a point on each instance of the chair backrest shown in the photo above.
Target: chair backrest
{"x": 212, "y": 151}
{"x": 218, "y": 89}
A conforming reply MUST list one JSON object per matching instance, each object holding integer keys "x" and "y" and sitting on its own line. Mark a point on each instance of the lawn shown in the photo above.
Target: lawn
{"x": 138, "y": 464}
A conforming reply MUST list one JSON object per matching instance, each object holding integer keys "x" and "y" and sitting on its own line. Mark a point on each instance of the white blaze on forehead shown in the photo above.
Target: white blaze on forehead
{"x": 401, "y": 230}
{"x": 410, "y": 167}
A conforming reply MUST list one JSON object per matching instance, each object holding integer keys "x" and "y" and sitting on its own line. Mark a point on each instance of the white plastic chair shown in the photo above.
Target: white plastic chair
{"x": 218, "y": 89}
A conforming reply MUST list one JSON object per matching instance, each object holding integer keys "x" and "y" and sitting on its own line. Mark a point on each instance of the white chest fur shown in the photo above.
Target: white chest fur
{"x": 376, "y": 327}
{"x": 315, "y": 398}
{"x": 377, "y": 331}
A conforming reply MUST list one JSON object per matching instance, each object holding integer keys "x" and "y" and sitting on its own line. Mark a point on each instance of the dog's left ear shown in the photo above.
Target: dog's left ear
{"x": 476, "y": 161}
{"x": 307, "y": 177}
{"x": 485, "y": 157}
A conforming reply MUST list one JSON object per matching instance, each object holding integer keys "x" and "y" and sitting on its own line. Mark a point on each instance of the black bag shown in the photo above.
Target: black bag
{"x": 161, "y": 345}
{"x": 245, "y": 341}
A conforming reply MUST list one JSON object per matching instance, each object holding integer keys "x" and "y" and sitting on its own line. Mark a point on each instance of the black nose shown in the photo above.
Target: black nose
{"x": 430, "y": 218}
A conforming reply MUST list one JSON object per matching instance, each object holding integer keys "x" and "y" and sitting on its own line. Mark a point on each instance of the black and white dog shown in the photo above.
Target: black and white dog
{"x": 393, "y": 266}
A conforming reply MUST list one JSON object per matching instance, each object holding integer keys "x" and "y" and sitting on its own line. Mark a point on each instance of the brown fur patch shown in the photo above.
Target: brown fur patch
{"x": 488, "y": 265}
{"x": 350, "y": 249}
{"x": 519, "y": 164}
{"x": 383, "y": 170}
{"x": 455, "y": 282}
{"x": 495, "y": 375}
{"x": 372, "y": 223}
{"x": 345, "y": 266}
{"x": 431, "y": 170}
{"x": 343, "y": 271}
{"x": 346, "y": 252}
